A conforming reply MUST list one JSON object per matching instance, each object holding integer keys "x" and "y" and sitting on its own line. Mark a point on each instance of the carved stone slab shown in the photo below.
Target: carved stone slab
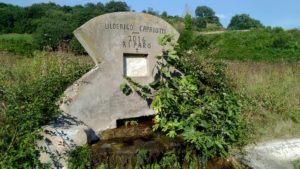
{"x": 123, "y": 43}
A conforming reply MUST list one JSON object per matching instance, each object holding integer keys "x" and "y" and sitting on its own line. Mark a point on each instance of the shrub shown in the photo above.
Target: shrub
{"x": 196, "y": 103}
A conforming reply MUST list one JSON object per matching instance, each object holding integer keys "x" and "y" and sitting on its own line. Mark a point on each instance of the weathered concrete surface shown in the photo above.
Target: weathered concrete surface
{"x": 60, "y": 137}
{"x": 277, "y": 154}
{"x": 96, "y": 98}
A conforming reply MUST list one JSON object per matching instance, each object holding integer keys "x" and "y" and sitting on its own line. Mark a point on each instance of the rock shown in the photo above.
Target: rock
{"x": 272, "y": 155}
{"x": 62, "y": 136}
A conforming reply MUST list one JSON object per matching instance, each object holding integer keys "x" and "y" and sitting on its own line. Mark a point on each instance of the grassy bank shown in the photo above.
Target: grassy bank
{"x": 272, "y": 97}
{"x": 17, "y": 44}
{"x": 257, "y": 45}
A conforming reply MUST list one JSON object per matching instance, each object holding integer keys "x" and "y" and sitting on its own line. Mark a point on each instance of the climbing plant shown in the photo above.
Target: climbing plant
{"x": 193, "y": 100}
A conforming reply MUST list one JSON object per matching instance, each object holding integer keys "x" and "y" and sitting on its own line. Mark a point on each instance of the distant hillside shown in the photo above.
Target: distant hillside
{"x": 257, "y": 44}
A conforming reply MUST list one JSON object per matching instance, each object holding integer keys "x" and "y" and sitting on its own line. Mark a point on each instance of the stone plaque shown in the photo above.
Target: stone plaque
{"x": 135, "y": 66}
{"x": 122, "y": 43}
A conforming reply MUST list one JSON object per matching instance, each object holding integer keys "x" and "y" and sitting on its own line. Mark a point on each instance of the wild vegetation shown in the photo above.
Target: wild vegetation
{"x": 197, "y": 104}
{"x": 297, "y": 164}
{"x": 270, "y": 94}
{"x": 269, "y": 44}
{"x": 17, "y": 44}
{"x": 29, "y": 90}
{"x": 260, "y": 86}
{"x": 51, "y": 25}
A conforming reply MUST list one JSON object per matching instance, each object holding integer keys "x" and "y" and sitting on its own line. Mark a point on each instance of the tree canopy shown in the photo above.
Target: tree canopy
{"x": 244, "y": 21}
{"x": 204, "y": 11}
{"x": 186, "y": 36}
{"x": 52, "y": 24}
{"x": 206, "y": 18}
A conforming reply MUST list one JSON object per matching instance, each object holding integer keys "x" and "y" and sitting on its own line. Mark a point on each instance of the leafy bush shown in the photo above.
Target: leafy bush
{"x": 196, "y": 103}
{"x": 29, "y": 89}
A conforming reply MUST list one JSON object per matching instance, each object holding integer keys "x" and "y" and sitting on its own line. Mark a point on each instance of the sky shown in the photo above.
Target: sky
{"x": 283, "y": 13}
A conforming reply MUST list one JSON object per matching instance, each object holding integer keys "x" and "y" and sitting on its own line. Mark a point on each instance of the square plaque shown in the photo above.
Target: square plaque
{"x": 135, "y": 65}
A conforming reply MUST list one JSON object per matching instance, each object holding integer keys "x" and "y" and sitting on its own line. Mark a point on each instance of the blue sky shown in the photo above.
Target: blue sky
{"x": 284, "y": 13}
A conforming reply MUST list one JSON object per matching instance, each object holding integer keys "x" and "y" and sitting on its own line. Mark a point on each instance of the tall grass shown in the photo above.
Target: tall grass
{"x": 29, "y": 88}
{"x": 272, "y": 97}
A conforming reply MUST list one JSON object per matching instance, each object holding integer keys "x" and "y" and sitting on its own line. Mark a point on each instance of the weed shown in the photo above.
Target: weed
{"x": 80, "y": 158}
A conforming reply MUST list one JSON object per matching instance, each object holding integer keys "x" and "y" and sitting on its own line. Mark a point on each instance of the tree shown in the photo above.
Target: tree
{"x": 114, "y": 6}
{"x": 82, "y": 14}
{"x": 186, "y": 36}
{"x": 53, "y": 31}
{"x": 244, "y": 21}
{"x": 164, "y": 14}
{"x": 205, "y": 17}
{"x": 35, "y": 12}
{"x": 11, "y": 19}
{"x": 151, "y": 11}
{"x": 204, "y": 11}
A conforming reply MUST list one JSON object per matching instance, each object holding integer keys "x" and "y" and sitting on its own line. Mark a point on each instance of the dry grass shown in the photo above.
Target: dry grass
{"x": 14, "y": 68}
{"x": 7, "y": 59}
{"x": 272, "y": 97}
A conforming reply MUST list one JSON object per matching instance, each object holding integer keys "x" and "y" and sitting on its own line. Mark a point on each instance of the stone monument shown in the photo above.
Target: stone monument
{"x": 121, "y": 44}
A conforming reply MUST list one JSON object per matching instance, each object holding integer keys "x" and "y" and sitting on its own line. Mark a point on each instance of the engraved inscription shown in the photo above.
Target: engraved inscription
{"x": 118, "y": 26}
{"x": 137, "y": 28}
{"x": 136, "y": 42}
